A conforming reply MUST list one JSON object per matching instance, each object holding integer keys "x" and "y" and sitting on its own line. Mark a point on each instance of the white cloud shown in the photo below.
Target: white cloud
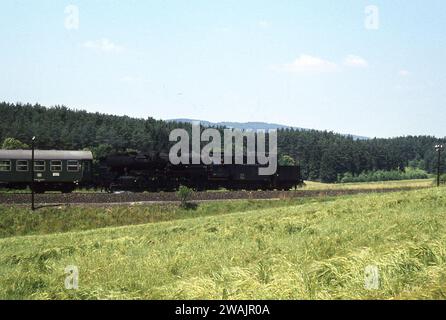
{"x": 355, "y": 61}
{"x": 223, "y": 29}
{"x": 103, "y": 45}
{"x": 404, "y": 73}
{"x": 264, "y": 24}
{"x": 129, "y": 79}
{"x": 306, "y": 63}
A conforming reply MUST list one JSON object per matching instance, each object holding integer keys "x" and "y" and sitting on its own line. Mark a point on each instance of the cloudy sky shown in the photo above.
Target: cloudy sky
{"x": 372, "y": 68}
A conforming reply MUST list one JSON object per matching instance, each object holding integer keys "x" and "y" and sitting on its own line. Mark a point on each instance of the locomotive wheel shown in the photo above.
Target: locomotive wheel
{"x": 67, "y": 190}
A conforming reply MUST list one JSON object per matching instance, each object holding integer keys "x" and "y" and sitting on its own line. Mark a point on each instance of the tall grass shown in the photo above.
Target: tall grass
{"x": 309, "y": 250}
{"x": 20, "y": 220}
{"x": 417, "y": 183}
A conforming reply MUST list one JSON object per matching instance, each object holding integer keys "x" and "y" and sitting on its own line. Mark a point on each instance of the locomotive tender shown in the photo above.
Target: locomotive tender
{"x": 138, "y": 172}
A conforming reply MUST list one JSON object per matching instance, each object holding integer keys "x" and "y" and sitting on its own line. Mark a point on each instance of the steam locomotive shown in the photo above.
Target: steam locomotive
{"x": 137, "y": 172}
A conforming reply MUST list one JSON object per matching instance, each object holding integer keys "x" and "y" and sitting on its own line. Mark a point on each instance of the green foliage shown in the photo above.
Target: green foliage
{"x": 13, "y": 144}
{"x": 286, "y": 160}
{"x": 185, "y": 195}
{"x": 418, "y": 164}
{"x": 324, "y": 156}
{"x": 381, "y": 175}
{"x": 316, "y": 249}
{"x": 443, "y": 179}
{"x": 101, "y": 151}
{"x": 61, "y": 128}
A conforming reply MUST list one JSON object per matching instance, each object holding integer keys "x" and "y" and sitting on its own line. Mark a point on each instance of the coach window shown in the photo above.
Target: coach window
{"x": 56, "y": 166}
{"x": 39, "y": 165}
{"x": 22, "y": 165}
{"x": 5, "y": 165}
{"x": 73, "y": 166}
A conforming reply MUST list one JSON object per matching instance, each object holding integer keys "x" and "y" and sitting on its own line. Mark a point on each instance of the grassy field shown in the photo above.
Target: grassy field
{"x": 310, "y": 185}
{"x": 20, "y": 221}
{"x": 294, "y": 249}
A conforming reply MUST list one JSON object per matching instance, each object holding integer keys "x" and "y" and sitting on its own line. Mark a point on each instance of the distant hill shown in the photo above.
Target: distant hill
{"x": 250, "y": 125}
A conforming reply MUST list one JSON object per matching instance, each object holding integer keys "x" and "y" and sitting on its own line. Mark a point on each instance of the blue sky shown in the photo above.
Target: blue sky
{"x": 311, "y": 64}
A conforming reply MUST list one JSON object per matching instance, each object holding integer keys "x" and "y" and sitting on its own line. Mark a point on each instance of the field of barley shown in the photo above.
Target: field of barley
{"x": 289, "y": 249}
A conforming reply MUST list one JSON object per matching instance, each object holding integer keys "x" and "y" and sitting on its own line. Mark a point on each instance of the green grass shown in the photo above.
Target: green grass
{"x": 20, "y": 220}
{"x": 310, "y": 185}
{"x": 314, "y": 249}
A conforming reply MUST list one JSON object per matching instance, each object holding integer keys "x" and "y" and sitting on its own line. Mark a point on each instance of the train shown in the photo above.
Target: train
{"x": 66, "y": 171}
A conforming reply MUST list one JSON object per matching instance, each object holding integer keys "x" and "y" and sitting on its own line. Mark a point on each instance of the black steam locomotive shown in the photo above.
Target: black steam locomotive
{"x": 153, "y": 172}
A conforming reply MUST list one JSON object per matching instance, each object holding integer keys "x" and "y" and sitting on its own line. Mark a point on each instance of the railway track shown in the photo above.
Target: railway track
{"x": 125, "y": 198}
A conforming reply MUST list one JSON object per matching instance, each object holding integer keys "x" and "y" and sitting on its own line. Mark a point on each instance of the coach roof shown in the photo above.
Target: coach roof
{"x": 45, "y": 155}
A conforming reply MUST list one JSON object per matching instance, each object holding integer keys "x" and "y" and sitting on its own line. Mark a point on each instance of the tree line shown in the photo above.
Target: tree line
{"x": 328, "y": 157}
{"x": 323, "y": 156}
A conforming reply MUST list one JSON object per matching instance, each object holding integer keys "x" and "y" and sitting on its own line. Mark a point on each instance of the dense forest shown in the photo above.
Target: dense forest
{"x": 324, "y": 156}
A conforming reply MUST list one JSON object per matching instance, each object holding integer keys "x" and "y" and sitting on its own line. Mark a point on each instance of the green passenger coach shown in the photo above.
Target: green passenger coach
{"x": 56, "y": 170}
